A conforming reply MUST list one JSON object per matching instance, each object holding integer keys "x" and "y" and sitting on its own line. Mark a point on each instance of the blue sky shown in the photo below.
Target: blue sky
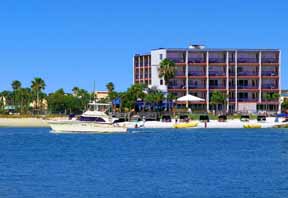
{"x": 73, "y": 42}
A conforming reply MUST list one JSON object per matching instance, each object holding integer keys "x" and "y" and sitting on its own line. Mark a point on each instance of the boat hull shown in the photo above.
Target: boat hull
{"x": 87, "y": 127}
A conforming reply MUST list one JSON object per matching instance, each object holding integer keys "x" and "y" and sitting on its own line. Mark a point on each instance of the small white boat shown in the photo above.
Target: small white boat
{"x": 94, "y": 120}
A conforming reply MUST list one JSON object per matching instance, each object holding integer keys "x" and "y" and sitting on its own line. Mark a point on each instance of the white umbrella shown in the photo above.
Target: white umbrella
{"x": 190, "y": 98}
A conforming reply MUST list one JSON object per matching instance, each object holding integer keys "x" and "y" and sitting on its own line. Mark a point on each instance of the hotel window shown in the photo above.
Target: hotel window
{"x": 161, "y": 56}
{"x": 161, "y": 82}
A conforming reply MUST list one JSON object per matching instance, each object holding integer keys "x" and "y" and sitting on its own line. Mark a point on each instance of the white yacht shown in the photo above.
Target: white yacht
{"x": 95, "y": 119}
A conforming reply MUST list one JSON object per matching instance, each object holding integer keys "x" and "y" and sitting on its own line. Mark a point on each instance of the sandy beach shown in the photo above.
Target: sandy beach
{"x": 23, "y": 122}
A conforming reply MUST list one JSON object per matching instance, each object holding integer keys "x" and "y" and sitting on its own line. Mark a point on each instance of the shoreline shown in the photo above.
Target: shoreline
{"x": 42, "y": 123}
{"x": 23, "y": 122}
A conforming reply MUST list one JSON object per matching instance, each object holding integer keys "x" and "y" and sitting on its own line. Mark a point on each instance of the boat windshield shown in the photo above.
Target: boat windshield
{"x": 91, "y": 119}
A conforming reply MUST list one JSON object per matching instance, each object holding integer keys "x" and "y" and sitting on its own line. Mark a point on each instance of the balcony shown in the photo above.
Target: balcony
{"x": 180, "y": 73}
{"x": 197, "y": 73}
{"x": 200, "y": 86}
{"x": 248, "y": 73}
{"x": 269, "y": 86}
{"x": 231, "y": 60}
{"x": 217, "y": 60}
{"x": 177, "y": 60}
{"x": 248, "y": 86}
{"x": 270, "y": 101}
{"x": 217, "y": 86}
{"x": 217, "y": 73}
{"x": 270, "y": 60}
{"x": 196, "y": 60}
{"x": 247, "y": 100}
{"x": 146, "y": 76}
{"x": 269, "y": 73}
{"x": 176, "y": 87}
{"x": 248, "y": 60}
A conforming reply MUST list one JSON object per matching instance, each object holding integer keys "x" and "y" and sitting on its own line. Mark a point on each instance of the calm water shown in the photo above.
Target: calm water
{"x": 148, "y": 163}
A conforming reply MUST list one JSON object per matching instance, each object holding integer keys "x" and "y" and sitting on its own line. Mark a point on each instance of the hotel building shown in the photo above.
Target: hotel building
{"x": 245, "y": 75}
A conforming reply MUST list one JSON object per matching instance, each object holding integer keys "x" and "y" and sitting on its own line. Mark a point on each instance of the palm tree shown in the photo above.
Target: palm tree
{"x": 75, "y": 91}
{"x": 37, "y": 86}
{"x": 16, "y": 84}
{"x": 270, "y": 97}
{"x": 218, "y": 98}
{"x": 167, "y": 70}
{"x": 110, "y": 87}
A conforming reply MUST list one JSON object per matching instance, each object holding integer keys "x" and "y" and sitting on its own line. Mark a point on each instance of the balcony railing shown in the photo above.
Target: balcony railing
{"x": 268, "y": 100}
{"x": 196, "y": 60}
{"x": 217, "y": 86}
{"x": 176, "y": 86}
{"x": 248, "y": 73}
{"x": 180, "y": 73}
{"x": 177, "y": 60}
{"x": 269, "y": 86}
{"x": 232, "y": 60}
{"x": 270, "y": 60}
{"x": 247, "y": 99}
{"x": 269, "y": 73}
{"x": 248, "y": 86}
{"x": 248, "y": 60}
{"x": 200, "y": 86}
{"x": 217, "y": 73}
{"x": 217, "y": 60}
{"x": 196, "y": 73}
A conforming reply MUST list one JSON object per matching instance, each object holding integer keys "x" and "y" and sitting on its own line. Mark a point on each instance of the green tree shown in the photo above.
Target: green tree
{"x": 110, "y": 87}
{"x": 284, "y": 105}
{"x": 167, "y": 70}
{"x": 218, "y": 98}
{"x": 60, "y": 102}
{"x": 16, "y": 84}
{"x": 38, "y": 84}
{"x": 270, "y": 97}
{"x": 130, "y": 97}
{"x": 75, "y": 90}
{"x": 111, "y": 93}
{"x": 25, "y": 98}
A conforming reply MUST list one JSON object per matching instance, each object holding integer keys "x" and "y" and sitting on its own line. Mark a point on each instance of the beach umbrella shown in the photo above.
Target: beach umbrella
{"x": 189, "y": 98}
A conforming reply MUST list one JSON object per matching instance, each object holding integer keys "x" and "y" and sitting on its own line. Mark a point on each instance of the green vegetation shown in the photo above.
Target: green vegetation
{"x": 218, "y": 98}
{"x": 33, "y": 101}
{"x": 285, "y": 105}
{"x": 64, "y": 103}
{"x": 167, "y": 70}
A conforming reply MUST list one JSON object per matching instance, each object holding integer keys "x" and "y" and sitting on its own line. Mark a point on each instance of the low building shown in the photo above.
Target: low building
{"x": 100, "y": 95}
